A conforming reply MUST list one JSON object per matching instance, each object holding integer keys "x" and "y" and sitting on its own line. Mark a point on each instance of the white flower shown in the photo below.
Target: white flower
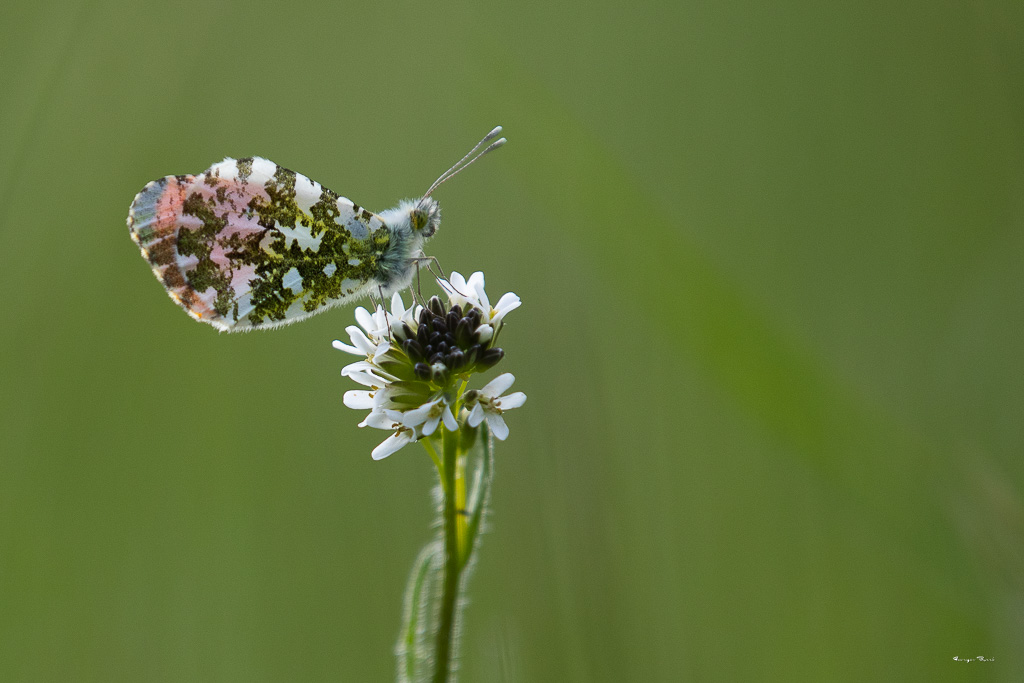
{"x": 414, "y": 363}
{"x": 390, "y": 420}
{"x": 490, "y": 404}
{"x": 380, "y": 394}
{"x": 508, "y": 302}
{"x": 462, "y": 293}
{"x": 429, "y": 415}
{"x": 375, "y": 324}
{"x": 362, "y": 345}
{"x": 471, "y": 293}
{"x": 375, "y": 342}
{"x": 400, "y": 314}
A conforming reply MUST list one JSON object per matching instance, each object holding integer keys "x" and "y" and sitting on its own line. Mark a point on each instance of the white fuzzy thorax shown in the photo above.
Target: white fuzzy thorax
{"x": 398, "y": 263}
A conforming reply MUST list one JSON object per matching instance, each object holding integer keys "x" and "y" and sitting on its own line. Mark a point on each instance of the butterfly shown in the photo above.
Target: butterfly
{"x": 248, "y": 244}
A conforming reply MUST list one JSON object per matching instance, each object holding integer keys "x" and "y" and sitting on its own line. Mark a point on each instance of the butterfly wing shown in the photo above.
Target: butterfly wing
{"x": 251, "y": 245}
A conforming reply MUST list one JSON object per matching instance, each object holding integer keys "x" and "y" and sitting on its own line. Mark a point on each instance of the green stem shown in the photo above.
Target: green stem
{"x": 460, "y": 507}
{"x": 452, "y": 565}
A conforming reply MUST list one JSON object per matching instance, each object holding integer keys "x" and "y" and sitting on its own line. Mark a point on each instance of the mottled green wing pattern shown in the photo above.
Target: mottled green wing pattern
{"x": 251, "y": 245}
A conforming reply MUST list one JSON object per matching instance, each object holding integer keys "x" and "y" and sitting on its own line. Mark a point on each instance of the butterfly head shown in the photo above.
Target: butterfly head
{"x": 425, "y": 217}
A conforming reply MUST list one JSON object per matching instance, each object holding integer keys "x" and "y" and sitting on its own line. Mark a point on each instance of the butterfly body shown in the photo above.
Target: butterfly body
{"x": 249, "y": 244}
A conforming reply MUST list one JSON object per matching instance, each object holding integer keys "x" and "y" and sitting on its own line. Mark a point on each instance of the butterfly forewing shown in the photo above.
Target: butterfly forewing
{"x": 250, "y": 244}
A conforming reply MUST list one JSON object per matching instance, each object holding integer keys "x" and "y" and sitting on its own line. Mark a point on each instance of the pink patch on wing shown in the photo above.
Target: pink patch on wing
{"x": 230, "y": 206}
{"x": 169, "y": 203}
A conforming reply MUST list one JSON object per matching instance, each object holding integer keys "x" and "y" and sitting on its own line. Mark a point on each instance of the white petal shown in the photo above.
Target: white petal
{"x": 430, "y": 426}
{"x": 341, "y": 346}
{"x": 391, "y": 444}
{"x": 381, "y": 349}
{"x": 385, "y": 398}
{"x": 373, "y": 322}
{"x": 412, "y": 317}
{"x": 379, "y": 377}
{"x": 454, "y": 286}
{"x": 378, "y": 419}
{"x": 409, "y": 318}
{"x": 360, "y": 340}
{"x": 366, "y": 379}
{"x": 417, "y": 416}
{"x": 461, "y": 292}
{"x": 481, "y": 295}
{"x": 476, "y": 280}
{"x": 498, "y": 426}
{"x": 508, "y": 302}
{"x": 484, "y": 333}
{"x": 476, "y": 416}
{"x": 513, "y": 400}
{"x": 397, "y": 305}
{"x": 365, "y": 320}
{"x": 358, "y": 366}
{"x": 449, "y": 420}
{"x": 384, "y": 328}
{"x": 498, "y": 386}
{"x": 358, "y": 400}
{"x": 458, "y": 281}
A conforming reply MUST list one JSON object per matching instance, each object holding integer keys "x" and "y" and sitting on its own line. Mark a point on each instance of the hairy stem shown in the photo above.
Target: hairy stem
{"x": 452, "y": 564}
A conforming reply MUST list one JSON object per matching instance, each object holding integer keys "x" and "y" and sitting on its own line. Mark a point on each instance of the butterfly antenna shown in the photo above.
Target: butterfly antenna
{"x": 462, "y": 163}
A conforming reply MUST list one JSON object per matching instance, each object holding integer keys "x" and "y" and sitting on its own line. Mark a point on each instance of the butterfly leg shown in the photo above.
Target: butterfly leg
{"x": 418, "y": 260}
{"x": 384, "y": 308}
{"x": 434, "y": 262}
{"x": 418, "y": 291}
{"x": 440, "y": 275}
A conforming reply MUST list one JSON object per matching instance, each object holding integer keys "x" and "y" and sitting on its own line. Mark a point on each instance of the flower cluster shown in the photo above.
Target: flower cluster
{"x": 417, "y": 362}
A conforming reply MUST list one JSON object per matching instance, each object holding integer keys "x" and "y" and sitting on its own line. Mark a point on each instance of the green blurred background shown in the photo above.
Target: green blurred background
{"x": 771, "y": 259}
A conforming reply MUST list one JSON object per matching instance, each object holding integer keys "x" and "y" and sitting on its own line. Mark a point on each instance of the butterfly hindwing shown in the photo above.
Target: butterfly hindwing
{"x": 249, "y": 244}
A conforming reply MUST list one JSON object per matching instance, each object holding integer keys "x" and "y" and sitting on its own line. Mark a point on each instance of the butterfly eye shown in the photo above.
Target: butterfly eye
{"x": 418, "y": 219}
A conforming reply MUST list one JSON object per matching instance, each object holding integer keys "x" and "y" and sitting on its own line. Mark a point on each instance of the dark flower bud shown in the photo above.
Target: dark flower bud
{"x": 422, "y": 370}
{"x": 456, "y": 359}
{"x": 452, "y": 319}
{"x": 463, "y": 332}
{"x": 490, "y": 357}
{"x": 422, "y": 335}
{"x": 435, "y": 306}
{"x": 413, "y": 349}
{"x": 457, "y": 310}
